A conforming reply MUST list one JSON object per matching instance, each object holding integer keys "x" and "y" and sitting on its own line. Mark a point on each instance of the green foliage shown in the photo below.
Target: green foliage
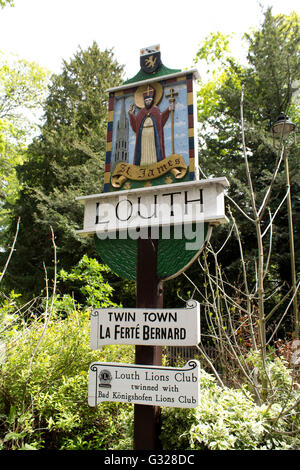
{"x": 44, "y": 397}
{"x": 278, "y": 41}
{"x": 87, "y": 277}
{"x": 9, "y": 318}
{"x": 44, "y": 361}
{"x": 4, "y": 3}
{"x": 215, "y": 52}
{"x": 44, "y": 365}
{"x": 270, "y": 80}
{"x": 281, "y": 388}
{"x": 65, "y": 161}
{"x": 22, "y": 93}
{"x": 215, "y": 48}
{"x": 176, "y": 423}
{"x": 22, "y": 85}
{"x": 229, "y": 419}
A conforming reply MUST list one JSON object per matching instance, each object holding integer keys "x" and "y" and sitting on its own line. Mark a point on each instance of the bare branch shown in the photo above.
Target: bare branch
{"x": 275, "y": 213}
{"x": 270, "y": 245}
{"x": 228, "y": 237}
{"x": 268, "y": 193}
{"x": 11, "y": 250}
{"x": 239, "y": 208}
{"x": 248, "y": 174}
{"x": 284, "y": 314}
{"x": 211, "y": 365}
{"x": 278, "y": 304}
{"x": 47, "y": 317}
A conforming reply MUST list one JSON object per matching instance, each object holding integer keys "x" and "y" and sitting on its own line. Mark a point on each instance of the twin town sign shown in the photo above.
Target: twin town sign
{"x": 163, "y": 327}
{"x": 148, "y": 385}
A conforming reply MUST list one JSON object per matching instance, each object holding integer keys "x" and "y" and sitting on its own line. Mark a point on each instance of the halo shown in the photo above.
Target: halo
{"x": 138, "y": 96}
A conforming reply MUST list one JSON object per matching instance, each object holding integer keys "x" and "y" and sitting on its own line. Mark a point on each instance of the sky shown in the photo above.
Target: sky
{"x": 48, "y": 31}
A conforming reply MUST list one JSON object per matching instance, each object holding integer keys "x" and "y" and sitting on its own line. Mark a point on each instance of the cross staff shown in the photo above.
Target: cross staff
{"x": 172, "y": 101}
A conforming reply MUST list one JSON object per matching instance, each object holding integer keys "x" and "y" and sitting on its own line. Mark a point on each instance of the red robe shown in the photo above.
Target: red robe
{"x": 159, "y": 120}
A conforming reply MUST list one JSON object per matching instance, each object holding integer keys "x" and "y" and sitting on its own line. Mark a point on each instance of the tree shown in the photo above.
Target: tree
{"x": 245, "y": 287}
{"x": 22, "y": 92}
{"x": 66, "y": 160}
{"x": 220, "y": 143}
{"x": 268, "y": 81}
{"x": 4, "y": 3}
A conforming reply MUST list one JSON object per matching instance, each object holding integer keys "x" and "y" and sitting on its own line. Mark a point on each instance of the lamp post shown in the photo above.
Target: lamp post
{"x": 282, "y": 128}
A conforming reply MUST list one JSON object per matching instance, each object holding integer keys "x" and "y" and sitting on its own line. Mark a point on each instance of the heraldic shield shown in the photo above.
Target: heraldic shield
{"x": 150, "y": 60}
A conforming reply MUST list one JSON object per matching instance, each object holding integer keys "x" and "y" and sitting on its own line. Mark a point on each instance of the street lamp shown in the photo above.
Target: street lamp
{"x": 282, "y": 128}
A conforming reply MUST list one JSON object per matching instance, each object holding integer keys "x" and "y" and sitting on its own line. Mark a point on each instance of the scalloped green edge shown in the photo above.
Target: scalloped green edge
{"x": 173, "y": 257}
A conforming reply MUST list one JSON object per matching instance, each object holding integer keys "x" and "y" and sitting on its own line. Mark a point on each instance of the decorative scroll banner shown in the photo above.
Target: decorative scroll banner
{"x": 145, "y": 384}
{"x": 175, "y": 163}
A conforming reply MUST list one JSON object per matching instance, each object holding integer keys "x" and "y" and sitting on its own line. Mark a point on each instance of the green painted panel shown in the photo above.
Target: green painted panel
{"x": 119, "y": 255}
{"x": 173, "y": 255}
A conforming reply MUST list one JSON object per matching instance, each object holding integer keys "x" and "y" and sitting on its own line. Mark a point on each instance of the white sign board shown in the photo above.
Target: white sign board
{"x": 163, "y": 327}
{"x": 145, "y": 385}
{"x": 157, "y": 206}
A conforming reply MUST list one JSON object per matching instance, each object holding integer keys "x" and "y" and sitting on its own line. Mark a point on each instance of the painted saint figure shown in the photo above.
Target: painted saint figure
{"x": 148, "y": 125}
